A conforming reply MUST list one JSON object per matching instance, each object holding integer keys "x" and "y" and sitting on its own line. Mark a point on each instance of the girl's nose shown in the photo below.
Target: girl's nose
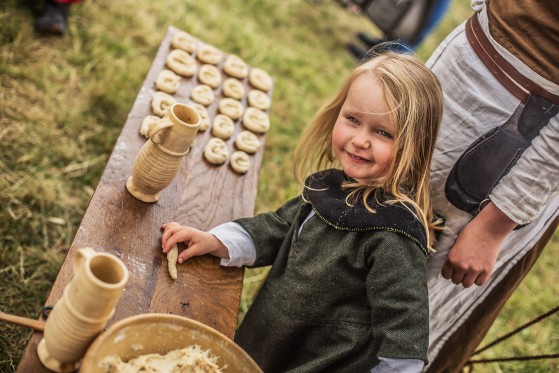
{"x": 360, "y": 141}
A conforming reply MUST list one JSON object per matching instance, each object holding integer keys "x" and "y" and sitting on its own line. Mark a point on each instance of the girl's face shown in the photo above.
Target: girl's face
{"x": 363, "y": 135}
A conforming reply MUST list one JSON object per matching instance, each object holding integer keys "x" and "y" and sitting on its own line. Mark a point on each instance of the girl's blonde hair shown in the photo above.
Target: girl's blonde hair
{"x": 414, "y": 95}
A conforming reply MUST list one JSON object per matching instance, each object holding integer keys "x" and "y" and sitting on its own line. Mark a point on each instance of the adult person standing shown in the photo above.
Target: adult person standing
{"x": 500, "y": 67}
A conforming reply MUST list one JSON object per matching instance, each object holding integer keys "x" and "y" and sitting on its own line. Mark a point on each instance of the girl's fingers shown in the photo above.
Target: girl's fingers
{"x": 169, "y": 230}
{"x": 166, "y": 233}
{"x": 174, "y": 239}
{"x": 184, "y": 256}
{"x": 190, "y": 252}
{"x": 175, "y": 234}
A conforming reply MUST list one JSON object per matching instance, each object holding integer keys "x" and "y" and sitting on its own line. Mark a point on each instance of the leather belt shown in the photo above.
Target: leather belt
{"x": 516, "y": 83}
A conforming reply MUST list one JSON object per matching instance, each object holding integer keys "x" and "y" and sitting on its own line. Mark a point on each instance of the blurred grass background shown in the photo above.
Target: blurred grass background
{"x": 63, "y": 102}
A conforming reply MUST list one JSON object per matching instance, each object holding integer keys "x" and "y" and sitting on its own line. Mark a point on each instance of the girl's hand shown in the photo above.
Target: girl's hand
{"x": 198, "y": 242}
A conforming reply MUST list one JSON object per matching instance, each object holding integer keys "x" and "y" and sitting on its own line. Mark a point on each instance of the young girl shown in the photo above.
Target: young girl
{"x": 346, "y": 291}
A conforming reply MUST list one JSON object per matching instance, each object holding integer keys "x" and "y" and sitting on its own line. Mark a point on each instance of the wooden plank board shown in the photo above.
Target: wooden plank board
{"x": 202, "y": 196}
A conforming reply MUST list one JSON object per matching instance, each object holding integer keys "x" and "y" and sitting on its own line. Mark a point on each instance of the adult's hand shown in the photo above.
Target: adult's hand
{"x": 474, "y": 253}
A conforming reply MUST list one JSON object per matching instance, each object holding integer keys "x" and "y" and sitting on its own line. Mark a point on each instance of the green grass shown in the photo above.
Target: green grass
{"x": 63, "y": 102}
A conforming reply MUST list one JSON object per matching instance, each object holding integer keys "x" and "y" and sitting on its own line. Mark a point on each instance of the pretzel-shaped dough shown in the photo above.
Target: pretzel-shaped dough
{"x": 247, "y": 142}
{"x": 260, "y": 79}
{"x": 161, "y": 103}
{"x": 256, "y": 120}
{"x": 167, "y": 81}
{"x": 209, "y": 54}
{"x": 234, "y": 66}
{"x": 233, "y": 88}
{"x": 181, "y": 62}
{"x": 231, "y": 107}
{"x": 183, "y": 40}
{"x": 259, "y": 99}
{"x": 210, "y": 75}
{"x": 216, "y": 151}
{"x": 223, "y": 127}
{"x": 204, "y": 116}
{"x": 202, "y": 94}
{"x": 148, "y": 121}
{"x": 240, "y": 162}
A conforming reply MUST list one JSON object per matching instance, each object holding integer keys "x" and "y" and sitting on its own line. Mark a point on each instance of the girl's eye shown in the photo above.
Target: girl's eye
{"x": 384, "y": 134}
{"x": 352, "y": 119}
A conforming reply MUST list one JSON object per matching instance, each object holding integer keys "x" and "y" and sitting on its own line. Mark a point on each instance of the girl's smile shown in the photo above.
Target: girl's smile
{"x": 357, "y": 158}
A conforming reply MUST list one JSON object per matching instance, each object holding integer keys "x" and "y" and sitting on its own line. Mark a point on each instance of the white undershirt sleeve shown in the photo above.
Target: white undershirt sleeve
{"x": 533, "y": 180}
{"x": 242, "y": 251}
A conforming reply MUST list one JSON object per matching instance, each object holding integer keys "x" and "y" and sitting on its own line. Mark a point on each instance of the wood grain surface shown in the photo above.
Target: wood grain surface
{"x": 201, "y": 196}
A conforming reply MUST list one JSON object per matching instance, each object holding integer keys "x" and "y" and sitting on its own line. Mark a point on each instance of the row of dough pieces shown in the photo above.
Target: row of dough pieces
{"x": 255, "y": 119}
{"x": 180, "y": 62}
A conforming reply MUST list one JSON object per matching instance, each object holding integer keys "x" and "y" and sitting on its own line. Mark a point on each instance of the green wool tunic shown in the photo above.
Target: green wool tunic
{"x": 350, "y": 287}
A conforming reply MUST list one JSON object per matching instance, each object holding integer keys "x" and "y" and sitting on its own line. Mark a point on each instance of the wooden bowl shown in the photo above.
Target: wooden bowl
{"x": 161, "y": 333}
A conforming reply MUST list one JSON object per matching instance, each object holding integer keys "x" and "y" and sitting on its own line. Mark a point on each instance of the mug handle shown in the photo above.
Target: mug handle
{"x": 153, "y": 131}
{"x": 80, "y": 257}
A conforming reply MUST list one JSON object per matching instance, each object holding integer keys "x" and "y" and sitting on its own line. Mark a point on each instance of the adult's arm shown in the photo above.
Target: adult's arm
{"x": 518, "y": 199}
{"x": 475, "y": 250}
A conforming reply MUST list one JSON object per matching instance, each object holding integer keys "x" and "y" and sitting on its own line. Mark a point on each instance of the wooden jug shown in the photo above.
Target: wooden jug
{"x": 159, "y": 159}
{"x": 87, "y": 303}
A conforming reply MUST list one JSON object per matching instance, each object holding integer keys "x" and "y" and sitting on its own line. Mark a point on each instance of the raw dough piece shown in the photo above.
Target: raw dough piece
{"x": 233, "y": 88}
{"x": 183, "y": 40}
{"x": 259, "y": 99}
{"x": 240, "y": 162}
{"x": 209, "y": 54}
{"x": 256, "y": 120}
{"x": 247, "y": 141}
{"x": 260, "y": 79}
{"x": 181, "y": 62}
{"x": 216, "y": 151}
{"x": 210, "y": 75}
{"x": 223, "y": 127}
{"x": 234, "y": 66}
{"x": 189, "y": 359}
{"x": 161, "y": 103}
{"x": 167, "y": 81}
{"x": 203, "y": 94}
{"x": 172, "y": 256}
{"x": 204, "y": 116}
{"x": 147, "y": 123}
{"x": 231, "y": 107}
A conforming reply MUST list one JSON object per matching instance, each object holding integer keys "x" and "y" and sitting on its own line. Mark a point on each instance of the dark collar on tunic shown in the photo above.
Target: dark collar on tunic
{"x": 328, "y": 199}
